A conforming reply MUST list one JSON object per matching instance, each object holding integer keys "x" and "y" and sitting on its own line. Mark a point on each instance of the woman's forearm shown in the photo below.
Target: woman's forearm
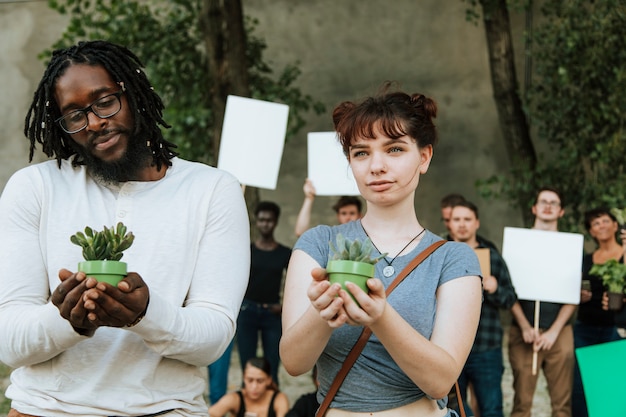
{"x": 304, "y": 342}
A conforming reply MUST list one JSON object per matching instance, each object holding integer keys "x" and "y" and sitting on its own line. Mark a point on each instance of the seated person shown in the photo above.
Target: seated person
{"x": 259, "y": 396}
{"x": 306, "y": 405}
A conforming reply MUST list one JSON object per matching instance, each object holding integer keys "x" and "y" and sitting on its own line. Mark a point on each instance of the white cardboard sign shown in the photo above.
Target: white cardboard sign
{"x": 544, "y": 266}
{"x": 328, "y": 167}
{"x": 253, "y": 137}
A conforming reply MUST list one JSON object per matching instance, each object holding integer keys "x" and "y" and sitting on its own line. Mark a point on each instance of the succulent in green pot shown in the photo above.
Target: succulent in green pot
{"x": 613, "y": 275}
{"x": 351, "y": 260}
{"x": 102, "y": 251}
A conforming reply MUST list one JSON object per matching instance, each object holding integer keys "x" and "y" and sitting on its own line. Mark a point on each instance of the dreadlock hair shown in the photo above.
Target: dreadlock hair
{"x": 126, "y": 69}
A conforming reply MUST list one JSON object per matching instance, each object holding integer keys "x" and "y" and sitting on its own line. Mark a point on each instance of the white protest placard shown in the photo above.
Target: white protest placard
{"x": 253, "y": 137}
{"x": 544, "y": 266}
{"x": 328, "y": 167}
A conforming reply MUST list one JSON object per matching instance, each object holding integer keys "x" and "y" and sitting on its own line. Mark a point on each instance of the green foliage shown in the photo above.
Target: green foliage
{"x": 578, "y": 105}
{"x": 105, "y": 245}
{"x": 620, "y": 215}
{"x": 613, "y": 274}
{"x": 353, "y": 250}
{"x": 5, "y": 403}
{"x": 167, "y": 38}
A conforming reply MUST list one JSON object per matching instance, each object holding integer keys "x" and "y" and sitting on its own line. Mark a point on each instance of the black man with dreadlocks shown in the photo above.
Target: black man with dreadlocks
{"x": 84, "y": 348}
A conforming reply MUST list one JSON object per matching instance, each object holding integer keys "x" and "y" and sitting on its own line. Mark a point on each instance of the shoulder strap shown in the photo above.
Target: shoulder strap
{"x": 270, "y": 411}
{"x": 242, "y": 405}
{"x": 365, "y": 335}
{"x": 459, "y": 399}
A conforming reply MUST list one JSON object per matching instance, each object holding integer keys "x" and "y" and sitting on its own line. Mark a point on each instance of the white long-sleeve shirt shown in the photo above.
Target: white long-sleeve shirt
{"x": 191, "y": 248}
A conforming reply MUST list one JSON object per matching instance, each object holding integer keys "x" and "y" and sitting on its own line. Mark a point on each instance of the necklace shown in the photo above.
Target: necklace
{"x": 389, "y": 270}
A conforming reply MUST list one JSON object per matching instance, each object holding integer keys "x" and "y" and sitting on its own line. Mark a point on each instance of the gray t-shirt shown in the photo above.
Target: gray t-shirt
{"x": 376, "y": 382}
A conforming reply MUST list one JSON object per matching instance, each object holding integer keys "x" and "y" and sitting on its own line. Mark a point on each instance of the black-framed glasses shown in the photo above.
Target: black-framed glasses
{"x": 104, "y": 107}
{"x": 555, "y": 204}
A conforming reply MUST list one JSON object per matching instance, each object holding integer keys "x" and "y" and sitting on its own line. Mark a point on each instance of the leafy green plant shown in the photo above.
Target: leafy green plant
{"x": 107, "y": 244}
{"x": 166, "y": 36}
{"x": 620, "y": 215}
{"x": 5, "y": 403}
{"x": 576, "y": 105}
{"x": 613, "y": 274}
{"x": 353, "y": 250}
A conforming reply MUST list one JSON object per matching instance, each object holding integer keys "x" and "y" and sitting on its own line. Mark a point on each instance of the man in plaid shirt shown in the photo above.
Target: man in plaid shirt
{"x": 484, "y": 366}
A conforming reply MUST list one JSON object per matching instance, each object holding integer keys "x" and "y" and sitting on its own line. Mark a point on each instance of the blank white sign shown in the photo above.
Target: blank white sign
{"x": 544, "y": 266}
{"x": 328, "y": 167}
{"x": 253, "y": 137}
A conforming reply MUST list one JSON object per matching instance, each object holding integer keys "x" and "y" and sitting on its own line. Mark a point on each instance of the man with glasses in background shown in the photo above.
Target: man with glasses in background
{"x": 554, "y": 342}
{"x": 86, "y": 348}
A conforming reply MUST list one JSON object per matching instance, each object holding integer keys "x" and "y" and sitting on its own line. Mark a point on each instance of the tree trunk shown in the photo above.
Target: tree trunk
{"x": 513, "y": 123}
{"x": 222, "y": 26}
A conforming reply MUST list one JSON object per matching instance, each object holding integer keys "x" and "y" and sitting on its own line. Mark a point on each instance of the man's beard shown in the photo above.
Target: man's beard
{"x": 137, "y": 157}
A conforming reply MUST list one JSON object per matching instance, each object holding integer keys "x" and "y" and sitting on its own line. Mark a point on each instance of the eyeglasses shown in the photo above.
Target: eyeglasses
{"x": 105, "y": 107}
{"x": 554, "y": 204}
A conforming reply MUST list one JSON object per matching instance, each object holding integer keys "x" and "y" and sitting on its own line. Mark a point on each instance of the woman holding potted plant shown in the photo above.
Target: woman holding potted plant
{"x": 593, "y": 324}
{"x": 424, "y": 330}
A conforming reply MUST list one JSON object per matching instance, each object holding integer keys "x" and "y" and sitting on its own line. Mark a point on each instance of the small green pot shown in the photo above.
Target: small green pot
{"x": 111, "y": 272}
{"x": 355, "y": 272}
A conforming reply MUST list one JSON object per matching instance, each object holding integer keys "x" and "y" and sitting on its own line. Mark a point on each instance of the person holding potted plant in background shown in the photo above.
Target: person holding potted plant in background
{"x": 593, "y": 324}
{"x": 432, "y": 315}
{"x": 86, "y": 348}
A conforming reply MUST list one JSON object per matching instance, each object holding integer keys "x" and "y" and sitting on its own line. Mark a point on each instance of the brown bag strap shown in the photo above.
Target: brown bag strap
{"x": 459, "y": 399}
{"x": 365, "y": 335}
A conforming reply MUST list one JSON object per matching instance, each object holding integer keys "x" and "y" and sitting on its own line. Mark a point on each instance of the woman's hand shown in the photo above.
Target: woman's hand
{"x": 372, "y": 305}
{"x": 325, "y": 298}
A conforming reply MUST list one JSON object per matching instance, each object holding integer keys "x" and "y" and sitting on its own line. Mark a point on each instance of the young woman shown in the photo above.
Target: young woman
{"x": 258, "y": 398}
{"x": 422, "y": 333}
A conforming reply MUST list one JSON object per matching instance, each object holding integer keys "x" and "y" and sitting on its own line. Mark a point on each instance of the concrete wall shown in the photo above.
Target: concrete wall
{"x": 346, "y": 49}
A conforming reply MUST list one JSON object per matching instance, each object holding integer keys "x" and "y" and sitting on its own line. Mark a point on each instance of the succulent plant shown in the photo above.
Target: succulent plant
{"x": 353, "y": 250}
{"x": 105, "y": 245}
{"x": 620, "y": 215}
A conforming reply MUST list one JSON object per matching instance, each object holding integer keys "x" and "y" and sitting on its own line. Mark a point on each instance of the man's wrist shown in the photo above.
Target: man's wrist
{"x": 139, "y": 317}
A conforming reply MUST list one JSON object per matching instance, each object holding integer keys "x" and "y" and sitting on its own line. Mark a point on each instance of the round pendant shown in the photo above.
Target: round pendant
{"x": 388, "y": 271}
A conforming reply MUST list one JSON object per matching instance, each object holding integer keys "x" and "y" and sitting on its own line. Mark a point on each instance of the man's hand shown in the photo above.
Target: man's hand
{"x": 68, "y": 298}
{"x": 490, "y": 284}
{"x": 529, "y": 334}
{"x": 585, "y": 296}
{"x": 117, "y": 306}
{"x": 546, "y": 340}
{"x": 309, "y": 189}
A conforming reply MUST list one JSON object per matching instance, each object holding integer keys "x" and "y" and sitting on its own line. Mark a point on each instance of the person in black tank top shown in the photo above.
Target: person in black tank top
{"x": 259, "y": 396}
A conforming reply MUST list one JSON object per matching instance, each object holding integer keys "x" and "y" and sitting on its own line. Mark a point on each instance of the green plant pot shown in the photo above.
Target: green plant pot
{"x": 111, "y": 272}
{"x": 616, "y": 300}
{"x": 355, "y": 272}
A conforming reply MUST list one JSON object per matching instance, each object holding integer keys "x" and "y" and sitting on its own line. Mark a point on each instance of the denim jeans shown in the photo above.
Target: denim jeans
{"x": 218, "y": 375}
{"x": 484, "y": 370}
{"x": 587, "y": 335}
{"x": 255, "y": 318}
